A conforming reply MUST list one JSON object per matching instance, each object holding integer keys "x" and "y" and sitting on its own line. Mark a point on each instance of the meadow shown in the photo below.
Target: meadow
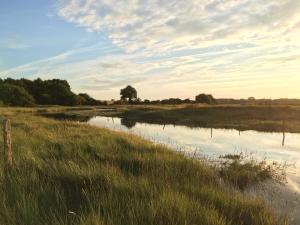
{"x": 72, "y": 173}
{"x": 268, "y": 118}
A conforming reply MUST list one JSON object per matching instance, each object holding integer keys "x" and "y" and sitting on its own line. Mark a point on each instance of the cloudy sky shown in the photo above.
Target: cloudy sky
{"x": 164, "y": 48}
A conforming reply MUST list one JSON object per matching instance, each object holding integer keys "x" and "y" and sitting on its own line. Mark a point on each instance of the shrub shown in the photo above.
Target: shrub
{"x": 204, "y": 98}
{"x": 15, "y": 95}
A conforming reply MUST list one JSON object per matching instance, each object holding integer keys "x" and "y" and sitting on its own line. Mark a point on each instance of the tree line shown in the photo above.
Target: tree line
{"x": 24, "y": 92}
{"x": 129, "y": 95}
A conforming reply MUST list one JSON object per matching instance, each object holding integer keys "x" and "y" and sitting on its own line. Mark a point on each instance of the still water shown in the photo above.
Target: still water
{"x": 212, "y": 143}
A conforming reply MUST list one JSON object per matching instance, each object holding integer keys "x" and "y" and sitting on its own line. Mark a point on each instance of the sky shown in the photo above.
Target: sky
{"x": 164, "y": 48}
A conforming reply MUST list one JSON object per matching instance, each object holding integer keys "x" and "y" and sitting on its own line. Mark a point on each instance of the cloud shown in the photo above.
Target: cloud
{"x": 160, "y": 26}
{"x": 171, "y": 45}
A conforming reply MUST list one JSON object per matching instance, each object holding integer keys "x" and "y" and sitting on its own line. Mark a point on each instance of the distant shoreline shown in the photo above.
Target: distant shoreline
{"x": 260, "y": 118}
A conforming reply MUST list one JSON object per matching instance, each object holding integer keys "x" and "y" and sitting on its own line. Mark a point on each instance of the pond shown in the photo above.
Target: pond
{"x": 213, "y": 143}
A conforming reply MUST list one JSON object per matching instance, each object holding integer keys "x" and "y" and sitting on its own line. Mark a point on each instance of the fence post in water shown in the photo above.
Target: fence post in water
{"x": 7, "y": 146}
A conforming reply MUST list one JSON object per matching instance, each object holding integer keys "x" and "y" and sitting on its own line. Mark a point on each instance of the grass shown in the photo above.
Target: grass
{"x": 241, "y": 117}
{"x": 260, "y": 118}
{"x": 71, "y": 173}
{"x": 244, "y": 172}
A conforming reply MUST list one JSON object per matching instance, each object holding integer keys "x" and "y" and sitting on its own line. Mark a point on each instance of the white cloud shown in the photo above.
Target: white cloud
{"x": 159, "y": 26}
{"x": 187, "y": 45}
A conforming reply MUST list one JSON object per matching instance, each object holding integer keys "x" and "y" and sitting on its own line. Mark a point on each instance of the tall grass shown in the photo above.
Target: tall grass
{"x": 71, "y": 173}
{"x": 245, "y": 172}
{"x": 260, "y": 118}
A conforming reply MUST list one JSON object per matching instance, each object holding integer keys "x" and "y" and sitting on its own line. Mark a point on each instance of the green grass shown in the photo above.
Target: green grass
{"x": 244, "y": 172}
{"x": 260, "y": 118}
{"x": 241, "y": 117}
{"x": 71, "y": 173}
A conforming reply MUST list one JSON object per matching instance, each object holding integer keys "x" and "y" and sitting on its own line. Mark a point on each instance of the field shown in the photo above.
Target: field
{"x": 71, "y": 173}
{"x": 241, "y": 117}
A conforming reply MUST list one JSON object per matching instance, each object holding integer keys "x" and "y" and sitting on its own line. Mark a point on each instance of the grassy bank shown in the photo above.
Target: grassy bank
{"x": 260, "y": 118}
{"x": 71, "y": 173}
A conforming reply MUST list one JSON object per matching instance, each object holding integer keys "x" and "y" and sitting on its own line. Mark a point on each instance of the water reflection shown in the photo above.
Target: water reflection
{"x": 283, "y": 133}
{"x": 65, "y": 116}
{"x": 128, "y": 123}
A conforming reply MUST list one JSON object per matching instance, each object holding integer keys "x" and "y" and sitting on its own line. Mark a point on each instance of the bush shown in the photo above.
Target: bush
{"x": 15, "y": 95}
{"x": 204, "y": 98}
{"x": 88, "y": 100}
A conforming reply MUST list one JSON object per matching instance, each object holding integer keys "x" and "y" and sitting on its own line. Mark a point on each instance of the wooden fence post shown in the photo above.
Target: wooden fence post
{"x": 7, "y": 146}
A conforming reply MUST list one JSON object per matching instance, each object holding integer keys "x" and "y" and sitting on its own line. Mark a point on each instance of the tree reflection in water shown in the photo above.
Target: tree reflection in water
{"x": 128, "y": 123}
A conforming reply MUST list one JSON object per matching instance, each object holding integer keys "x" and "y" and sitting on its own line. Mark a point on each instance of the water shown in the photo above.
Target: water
{"x": 212, "y": 143}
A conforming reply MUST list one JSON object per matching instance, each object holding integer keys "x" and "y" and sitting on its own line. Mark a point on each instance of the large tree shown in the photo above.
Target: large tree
{"x": 204, "y": 98}
{"x": 128, "y": 94}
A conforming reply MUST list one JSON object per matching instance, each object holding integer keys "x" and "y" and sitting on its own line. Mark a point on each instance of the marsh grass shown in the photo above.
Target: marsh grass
{"x": 260, "y": 118}
{"x": 241, "y": 117}
{"x": 70, "y": 173}
{"x": 244, "y": 171}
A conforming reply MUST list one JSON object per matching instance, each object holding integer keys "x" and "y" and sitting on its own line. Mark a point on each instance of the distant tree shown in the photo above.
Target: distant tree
{"x": 173, "y": 101}
{"x": 155, "y": 102}
{"x": 137, "y": 101}
{"x": 47, "y": 92}
{"x": 187, "y": 100}
{"x": 204, "y": 98}
{"x": 78, "y": 100}
{"x": 45, "y": 99}
{"x": 118, "y": 102}
{"x": 88, "y": 100}
{"x": 128, "y": 94}
{"x": 15, "y": 95}
{"x": 60, "y": 92}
